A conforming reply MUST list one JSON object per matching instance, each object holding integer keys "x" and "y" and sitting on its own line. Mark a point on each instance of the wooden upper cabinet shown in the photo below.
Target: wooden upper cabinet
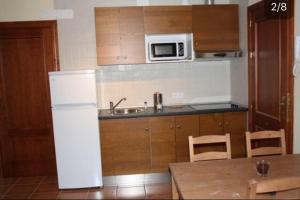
{"x": 216, "y": 28}
{"x": 132, "y": 35}
{"x": 120, "y": 35}
{"x": 108, "y": 36}
{"x": 168, "y": 19}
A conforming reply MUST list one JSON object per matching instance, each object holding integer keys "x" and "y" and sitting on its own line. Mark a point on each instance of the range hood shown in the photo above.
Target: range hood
{"x": 225, "y": 54}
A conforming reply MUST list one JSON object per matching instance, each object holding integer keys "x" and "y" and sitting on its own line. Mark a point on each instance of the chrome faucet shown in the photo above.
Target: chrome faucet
{"x": 112, "y": 107}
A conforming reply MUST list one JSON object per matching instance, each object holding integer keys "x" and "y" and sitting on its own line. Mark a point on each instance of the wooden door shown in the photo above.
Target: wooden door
{"x": 125, "y": 146}
{"x": 162, "y": 143}
{"x": 235, "y": 125}
{"x": 168, "y": 19}
{"x": 28, "y": 51}
{"x": 186, "y": 125}
{"x": 216, "y": 28}
{"x": 270, "y": 78}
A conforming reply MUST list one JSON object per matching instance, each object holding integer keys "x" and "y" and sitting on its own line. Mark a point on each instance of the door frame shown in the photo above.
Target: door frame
{"x": 290, "y": 62}
{"x": 48, "y": 24}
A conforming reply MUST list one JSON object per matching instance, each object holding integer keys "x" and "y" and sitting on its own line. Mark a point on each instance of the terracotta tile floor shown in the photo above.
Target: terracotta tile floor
{"x": 47, "y": 188}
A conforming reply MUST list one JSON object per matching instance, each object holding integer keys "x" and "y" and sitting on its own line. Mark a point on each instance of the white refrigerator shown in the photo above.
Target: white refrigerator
{"x": 76, "y": 128}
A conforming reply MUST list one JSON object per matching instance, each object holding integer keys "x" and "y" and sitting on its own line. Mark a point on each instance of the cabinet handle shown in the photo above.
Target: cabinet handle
{"x": 178, "y": 126}
{"x": 125, "y": 57}
{"x": 118, "y": 57}
{"x": 146, "y": 129}
{"x": 220, "y": 123}
{"x": 196, "y": 43}
{"x": 226, "y": 123}
{"x": 171, "y": 126}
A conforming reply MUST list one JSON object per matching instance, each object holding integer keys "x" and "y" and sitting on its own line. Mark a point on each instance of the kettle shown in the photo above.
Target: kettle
{"x": 157, "y": 99}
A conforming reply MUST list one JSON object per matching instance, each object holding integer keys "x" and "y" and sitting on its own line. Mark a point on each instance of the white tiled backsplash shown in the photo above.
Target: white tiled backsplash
{"x": 189, "y": 82}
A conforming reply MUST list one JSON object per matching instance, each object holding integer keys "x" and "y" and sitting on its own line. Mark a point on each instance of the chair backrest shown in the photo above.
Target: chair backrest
{"x": 210, "y": 139}
{"x": 261, "y": 135}
{"x": 272, "y": 185}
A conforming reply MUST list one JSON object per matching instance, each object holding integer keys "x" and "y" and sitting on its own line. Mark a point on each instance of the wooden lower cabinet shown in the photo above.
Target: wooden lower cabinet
{"x": 148, "y": 145}
{"x": 162, "y": 143}
{"x": 210, "y": 124}
{"x": 125, "y": 146}
{"x": 235, "y": 124}
{"x": 186, "y": 125}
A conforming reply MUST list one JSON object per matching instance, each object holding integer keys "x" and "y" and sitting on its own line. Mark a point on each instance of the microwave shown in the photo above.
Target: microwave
{"x": 167, "y": 47}
{"x": 175, "y": 50}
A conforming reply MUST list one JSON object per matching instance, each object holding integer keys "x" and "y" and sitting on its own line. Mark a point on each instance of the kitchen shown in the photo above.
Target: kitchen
{"x": 206, "y": 80}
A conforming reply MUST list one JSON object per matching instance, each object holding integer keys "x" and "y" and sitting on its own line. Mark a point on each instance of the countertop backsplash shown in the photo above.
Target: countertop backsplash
{"x": 180, "y": 83}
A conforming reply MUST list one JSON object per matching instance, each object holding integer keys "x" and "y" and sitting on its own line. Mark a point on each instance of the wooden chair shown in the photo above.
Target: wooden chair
{"x": 261, "y": 135}
{"x": 272, "y": 185}
{"x": 210, "y": 139}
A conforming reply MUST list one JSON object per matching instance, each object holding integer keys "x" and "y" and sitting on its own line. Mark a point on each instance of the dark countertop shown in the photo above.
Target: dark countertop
{"x": 177, "y": 110}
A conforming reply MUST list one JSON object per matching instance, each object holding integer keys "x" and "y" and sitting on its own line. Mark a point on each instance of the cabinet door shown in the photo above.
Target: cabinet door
{"x": 168, "y": 19}
{"x": 162, "y": 143}
{"x": 186, "y": 125}
{"x": 132, "y": 35}
{"x": 125, "y": 146}
{"x": 107, "y": 142}
{"x": 120, "y": 35}
{"x": 108, "y": 36}
{"x": 235, "y": 124}
{"x": 210, "y": 124}
{"x": 216, "y": 28}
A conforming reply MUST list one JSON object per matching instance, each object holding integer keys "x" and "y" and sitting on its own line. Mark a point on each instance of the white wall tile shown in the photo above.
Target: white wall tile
{"x": 199, "y": 82}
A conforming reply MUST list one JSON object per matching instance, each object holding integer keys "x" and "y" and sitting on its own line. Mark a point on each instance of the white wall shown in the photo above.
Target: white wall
{"x": 192, "y": 82}
{"x": 253, "y": 1}
{"x": 239, "y": 67}
{"x": 24, "y": 10}
{"x": 297, "y": 87}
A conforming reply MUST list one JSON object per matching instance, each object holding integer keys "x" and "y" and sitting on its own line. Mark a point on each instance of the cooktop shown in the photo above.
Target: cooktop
{"x": 214, "y": 106}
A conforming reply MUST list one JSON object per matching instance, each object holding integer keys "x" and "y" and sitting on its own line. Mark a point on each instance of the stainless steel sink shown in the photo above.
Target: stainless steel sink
{"x": 126, "y": 111}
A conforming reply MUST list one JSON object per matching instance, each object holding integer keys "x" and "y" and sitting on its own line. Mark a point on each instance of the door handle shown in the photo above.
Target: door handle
{"x": 285, "y": 104}
{"x": 283, "y": 101}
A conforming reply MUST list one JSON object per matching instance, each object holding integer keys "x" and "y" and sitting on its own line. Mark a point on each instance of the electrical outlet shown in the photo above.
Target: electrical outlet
{"x": 178, "y": 95}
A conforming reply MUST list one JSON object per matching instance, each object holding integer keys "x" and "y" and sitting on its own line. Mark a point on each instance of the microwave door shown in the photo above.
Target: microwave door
{"x": 163, "y": 51}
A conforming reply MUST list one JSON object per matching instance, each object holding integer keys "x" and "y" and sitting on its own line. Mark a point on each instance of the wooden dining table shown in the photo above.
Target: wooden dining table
{"x": 228, "y": 179}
